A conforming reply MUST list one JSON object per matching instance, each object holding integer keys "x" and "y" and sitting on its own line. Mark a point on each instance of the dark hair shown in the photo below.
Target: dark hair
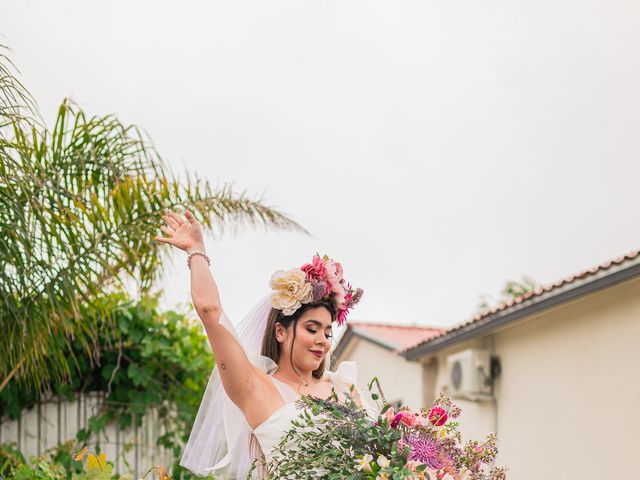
{"x": 271, "y": 347}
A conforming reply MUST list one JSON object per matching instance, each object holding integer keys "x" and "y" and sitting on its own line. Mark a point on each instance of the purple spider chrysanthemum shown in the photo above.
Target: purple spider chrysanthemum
{"x": 424, "y": 450}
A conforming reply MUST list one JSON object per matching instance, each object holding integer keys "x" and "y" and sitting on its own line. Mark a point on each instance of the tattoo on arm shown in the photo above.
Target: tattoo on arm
{"x": 223, "y": 365}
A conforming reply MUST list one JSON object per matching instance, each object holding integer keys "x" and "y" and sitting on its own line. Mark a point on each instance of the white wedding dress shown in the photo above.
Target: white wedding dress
{"x": 219, "y": 443}
{"x": 270, "y": 432}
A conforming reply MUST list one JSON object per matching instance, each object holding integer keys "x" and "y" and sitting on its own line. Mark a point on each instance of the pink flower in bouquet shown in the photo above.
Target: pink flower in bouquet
{"x": 438, "y": 416}
{"x": 422, "y": 421}
{"x": 396, "y": 420}
{"x": 409, "y": 418}
{"x": 424, "y": 450}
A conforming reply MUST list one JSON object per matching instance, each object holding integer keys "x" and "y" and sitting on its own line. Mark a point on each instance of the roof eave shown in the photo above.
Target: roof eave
{"x": 353, "y": 332}
{"x": 612, "y": 276}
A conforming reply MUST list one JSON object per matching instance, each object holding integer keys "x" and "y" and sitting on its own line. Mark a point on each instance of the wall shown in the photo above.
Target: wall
{"x": 50, "y": 423}
{"x": 567, "y": 402}
{"x": 400, "y": 379}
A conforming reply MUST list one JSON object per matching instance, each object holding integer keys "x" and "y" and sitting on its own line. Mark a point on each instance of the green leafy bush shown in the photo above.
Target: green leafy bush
{"x": 60, "y": 463}
{"x": 146, "y": 359}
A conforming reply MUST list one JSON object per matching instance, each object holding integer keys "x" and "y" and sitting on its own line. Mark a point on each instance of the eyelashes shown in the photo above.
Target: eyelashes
{"x": 329, "y": 336}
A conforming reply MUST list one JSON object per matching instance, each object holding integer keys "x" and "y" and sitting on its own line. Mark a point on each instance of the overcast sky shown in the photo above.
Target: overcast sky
{"x": 435, "y": 148}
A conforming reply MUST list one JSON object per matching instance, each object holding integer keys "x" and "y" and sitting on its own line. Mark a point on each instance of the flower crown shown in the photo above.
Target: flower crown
{"x": 319, "y": 280}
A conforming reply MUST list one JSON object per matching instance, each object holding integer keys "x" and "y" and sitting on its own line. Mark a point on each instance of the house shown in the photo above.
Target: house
{"x": 555, "y": 373}
{"x": 375, "y": 349}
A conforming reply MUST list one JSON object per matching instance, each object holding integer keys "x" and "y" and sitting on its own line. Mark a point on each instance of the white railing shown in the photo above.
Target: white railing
{"x": 56, "y": 421}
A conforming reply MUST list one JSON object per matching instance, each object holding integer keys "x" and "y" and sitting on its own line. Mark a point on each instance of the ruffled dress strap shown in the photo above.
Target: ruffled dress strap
{"x": 344, "y": 379}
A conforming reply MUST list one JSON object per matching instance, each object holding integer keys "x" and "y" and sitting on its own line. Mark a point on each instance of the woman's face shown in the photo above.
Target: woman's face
{"x": 313, "y": 339}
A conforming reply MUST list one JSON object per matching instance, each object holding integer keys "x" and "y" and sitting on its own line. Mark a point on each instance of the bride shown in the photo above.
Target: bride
{"x": 279, "y": 352}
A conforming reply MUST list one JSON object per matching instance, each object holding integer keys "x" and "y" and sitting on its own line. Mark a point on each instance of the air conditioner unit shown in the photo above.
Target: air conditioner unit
{"x": 469, "y": 373}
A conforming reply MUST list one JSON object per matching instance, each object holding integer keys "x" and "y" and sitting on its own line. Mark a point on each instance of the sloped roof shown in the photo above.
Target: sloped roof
{"x": 600, "y": 276}
{"x": 389, "y": 336}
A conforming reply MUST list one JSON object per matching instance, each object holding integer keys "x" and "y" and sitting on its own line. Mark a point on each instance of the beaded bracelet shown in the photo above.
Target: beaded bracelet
{"x": 202, "y": 254}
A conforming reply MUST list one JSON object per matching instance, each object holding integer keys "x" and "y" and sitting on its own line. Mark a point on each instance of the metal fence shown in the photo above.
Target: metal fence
{"x": 56, "y": 421}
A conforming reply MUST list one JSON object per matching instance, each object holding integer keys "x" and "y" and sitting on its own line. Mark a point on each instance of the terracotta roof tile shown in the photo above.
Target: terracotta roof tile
{"x": 397, "y": 337}
{"x": 598, "y": 269}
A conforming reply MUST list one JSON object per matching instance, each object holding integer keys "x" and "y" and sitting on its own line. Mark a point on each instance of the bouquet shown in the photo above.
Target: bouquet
{"x": 334, "y": 440}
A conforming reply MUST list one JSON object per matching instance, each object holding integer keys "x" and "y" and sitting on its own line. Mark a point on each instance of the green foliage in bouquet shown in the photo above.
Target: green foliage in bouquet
{"x": 334, "y": 440}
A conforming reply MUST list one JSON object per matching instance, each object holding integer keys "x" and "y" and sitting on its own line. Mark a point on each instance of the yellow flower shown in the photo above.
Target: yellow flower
{"x": 442, "y": 433}
{"x": 291, "y": 290}
{"x": 97, "y": 462}
{"x": 382, "y": 476}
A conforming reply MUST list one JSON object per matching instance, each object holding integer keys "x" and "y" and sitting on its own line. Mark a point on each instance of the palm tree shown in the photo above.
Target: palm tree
{"x": 79, "y": 208}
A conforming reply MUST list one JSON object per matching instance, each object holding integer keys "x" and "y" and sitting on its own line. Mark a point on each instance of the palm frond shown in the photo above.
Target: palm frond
{"x": 16, "y": 103}
{"x": 79, "y": 208}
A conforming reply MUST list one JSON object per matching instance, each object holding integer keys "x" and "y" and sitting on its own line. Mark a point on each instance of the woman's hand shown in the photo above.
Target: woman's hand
{"x": 181, "y": 233}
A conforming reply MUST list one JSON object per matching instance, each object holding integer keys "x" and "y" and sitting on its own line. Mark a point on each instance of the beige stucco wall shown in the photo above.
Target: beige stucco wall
{"x": 478, "y": 418}
{"x": 568, "y": 399}
{"x": 400, "y": 379}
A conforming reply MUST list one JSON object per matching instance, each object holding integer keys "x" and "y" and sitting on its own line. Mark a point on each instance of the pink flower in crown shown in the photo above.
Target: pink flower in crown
{"x": 347, "y": 298}
{"x": 334, "y": 275}
{"x": 315, "y": 270}
{"x": 342, "y": 316}
{"x": 340, "y": 297}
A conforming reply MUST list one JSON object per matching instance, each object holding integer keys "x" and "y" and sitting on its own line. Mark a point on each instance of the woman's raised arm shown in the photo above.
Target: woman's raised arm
{"x": 236, "y": 372}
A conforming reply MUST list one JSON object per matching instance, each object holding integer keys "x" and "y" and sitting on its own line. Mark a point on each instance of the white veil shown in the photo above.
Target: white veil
{"x": 219, "y": 440}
